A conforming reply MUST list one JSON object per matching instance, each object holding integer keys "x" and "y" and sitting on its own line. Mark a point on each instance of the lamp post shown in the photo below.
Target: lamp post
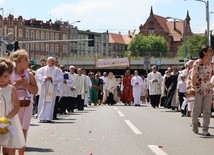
{"x": 69, "y": 37}
{"x": 207, "y": 18}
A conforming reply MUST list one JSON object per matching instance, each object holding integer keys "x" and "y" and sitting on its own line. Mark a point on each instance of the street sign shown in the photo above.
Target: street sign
{"x": 158, "y": 62}
{"x": 147, "y": 62}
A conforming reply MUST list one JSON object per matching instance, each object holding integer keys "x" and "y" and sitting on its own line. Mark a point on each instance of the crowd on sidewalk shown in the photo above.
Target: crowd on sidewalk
{"x": 52, "y": 90}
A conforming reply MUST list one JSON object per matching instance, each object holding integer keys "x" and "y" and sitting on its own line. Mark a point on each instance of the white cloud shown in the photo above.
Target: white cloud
{"x": 106, "y": 14}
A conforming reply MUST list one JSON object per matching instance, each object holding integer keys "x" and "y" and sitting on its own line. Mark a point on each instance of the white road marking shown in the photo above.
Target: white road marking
{"x": 157, "y": 150}
{"x": 134, "y": 129}
{"x": 115, "y": 108}
{"x": 120, "y": 113}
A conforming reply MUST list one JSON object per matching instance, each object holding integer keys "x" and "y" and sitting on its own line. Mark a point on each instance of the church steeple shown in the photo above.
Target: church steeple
{"x": 188, "y": 17}
{"x": 151, "y": 12}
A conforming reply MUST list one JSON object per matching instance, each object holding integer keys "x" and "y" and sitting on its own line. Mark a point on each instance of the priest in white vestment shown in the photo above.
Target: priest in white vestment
{"x": 110, "y": 95}
{"x": 154, "y": 82}
{"x": 81, "y": 89}
{"x": 49, "y": 77}
{"x": 137, "y": 84}
{"x": 73, "y": 77}
{"x": 88, "y": 86}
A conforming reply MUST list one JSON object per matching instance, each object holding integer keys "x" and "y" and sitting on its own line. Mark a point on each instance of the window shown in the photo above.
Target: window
{"x": 52, "y": 36}
{"x": 20, "y": 34}
{"x": 42, "y": 35}
{"x": 47, "y": 36}
{"x": 27, "y": 46}
{"x": 27, "y": 34}
{"x": 20, "y": 23}
{"x": 57, "y": 36}
{"x": 32, "y": 34}
{"x": 151, "y": 31}
{"x": 56, "y": 48}
{"x": 37, "y": 46}
{"x": 32, "y": 46}
{"x": 47, "y": 48}
{"x": 64, "y": 49}
{"x": 37, "y": 35}
{"x": 42, "y": 47}
{"x": 52, "y": 48}
{"x": 64, "y": 37}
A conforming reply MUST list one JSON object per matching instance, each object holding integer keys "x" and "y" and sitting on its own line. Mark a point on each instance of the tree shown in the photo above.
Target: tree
{"x": 191, "y": 46}
{"x": 148, "y": 45}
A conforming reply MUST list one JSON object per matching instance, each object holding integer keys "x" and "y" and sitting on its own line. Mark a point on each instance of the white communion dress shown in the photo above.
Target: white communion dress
{"x": 14, "y": 138}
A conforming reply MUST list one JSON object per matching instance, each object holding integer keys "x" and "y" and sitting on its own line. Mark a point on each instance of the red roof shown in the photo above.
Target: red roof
{"x": 174, "y": 28}
{"x": 119, "y": 39}
{"x": 162, "y": 21}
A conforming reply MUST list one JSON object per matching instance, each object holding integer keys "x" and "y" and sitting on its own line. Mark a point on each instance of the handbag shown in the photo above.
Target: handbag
{"x": 4, "y": 126}
{"x": 24, "y": 101}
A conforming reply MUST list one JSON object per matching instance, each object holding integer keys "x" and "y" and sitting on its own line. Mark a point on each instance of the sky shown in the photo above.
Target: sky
{"x": 112, "y": 15}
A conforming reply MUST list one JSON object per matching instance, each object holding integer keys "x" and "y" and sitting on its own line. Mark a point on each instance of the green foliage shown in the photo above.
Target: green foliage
{"x": 191, "y": 46}
{"x": 148, "y": 45}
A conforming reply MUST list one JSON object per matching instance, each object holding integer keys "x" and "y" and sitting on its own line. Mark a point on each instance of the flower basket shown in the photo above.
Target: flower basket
{"x": 4, "y": 122}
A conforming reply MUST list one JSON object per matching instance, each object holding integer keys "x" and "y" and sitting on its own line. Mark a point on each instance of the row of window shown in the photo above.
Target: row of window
{"x": 42, "y": 35}
{"x": 44, "y": 47}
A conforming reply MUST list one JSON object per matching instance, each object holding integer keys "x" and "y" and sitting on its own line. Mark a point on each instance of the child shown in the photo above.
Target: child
{"x": 181, "y": 92}
{"x": 9, "y": 107}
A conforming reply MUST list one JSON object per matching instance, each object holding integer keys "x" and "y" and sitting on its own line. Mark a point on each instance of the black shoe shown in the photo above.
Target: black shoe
{"x": 55, "y": 118}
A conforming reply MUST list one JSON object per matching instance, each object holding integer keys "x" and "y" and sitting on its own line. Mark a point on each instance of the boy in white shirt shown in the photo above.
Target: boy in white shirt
{"x": 181, "y": 92}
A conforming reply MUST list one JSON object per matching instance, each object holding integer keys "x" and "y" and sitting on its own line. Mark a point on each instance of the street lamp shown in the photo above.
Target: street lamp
{"x": 78, "y": 21}
{"x": 69, "y": 37}
{"x": 207, "y": 18}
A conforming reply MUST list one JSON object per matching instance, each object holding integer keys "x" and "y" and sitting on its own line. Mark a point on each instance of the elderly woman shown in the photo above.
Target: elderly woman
{"x": 203, "y": 88}
{"x": 110, "y": 89}
{"x": 26, "y": 86}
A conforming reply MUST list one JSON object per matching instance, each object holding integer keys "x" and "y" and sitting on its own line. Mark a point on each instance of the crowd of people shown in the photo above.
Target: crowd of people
{"x": 52, "y": 90}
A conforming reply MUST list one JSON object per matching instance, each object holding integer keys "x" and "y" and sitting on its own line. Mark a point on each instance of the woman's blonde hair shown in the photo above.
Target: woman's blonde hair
{"x": 18, "y": 55}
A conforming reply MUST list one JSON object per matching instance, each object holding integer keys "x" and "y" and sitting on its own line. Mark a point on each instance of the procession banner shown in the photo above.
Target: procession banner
{"x": 116, "y": 62}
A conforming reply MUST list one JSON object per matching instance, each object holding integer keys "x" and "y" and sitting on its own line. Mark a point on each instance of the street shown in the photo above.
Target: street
{"x": 119, "y": 130}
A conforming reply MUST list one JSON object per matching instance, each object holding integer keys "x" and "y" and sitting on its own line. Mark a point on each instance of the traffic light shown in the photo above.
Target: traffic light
{"x": 16, "y": 45}
{"x": 91, "y": 42}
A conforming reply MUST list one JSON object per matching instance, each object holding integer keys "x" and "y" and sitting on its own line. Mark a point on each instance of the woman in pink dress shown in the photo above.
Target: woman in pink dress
{"x": 26, "y": 86}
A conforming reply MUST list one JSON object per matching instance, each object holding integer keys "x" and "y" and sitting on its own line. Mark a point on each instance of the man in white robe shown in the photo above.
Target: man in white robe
{"x": 104, "y": 78}
{"x": 73, "y": 77}
{"x": 65, "y": 93}
{"x": 49, "y": 77}
{"x": 137, "y": 83}
{"x": 154, "y": 82}
{"x": 88, "y": 86}
{"x": 81, "y": 89}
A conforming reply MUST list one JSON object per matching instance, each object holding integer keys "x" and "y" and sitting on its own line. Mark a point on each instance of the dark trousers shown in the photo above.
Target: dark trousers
{"x": 35, "y": 105}
{"x": 110, "y": 99}
{"x": 154, "y": 100}
{"x": 56, "y": 107}
{"x": 64, "y": 104}
{"x": 181, "y": 100}
{"x": 73, "y": 103}
{"x": 80, "y": 102}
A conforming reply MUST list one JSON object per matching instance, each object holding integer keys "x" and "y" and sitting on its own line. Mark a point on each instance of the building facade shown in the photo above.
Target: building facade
{"x": 88, "y": 44}
{"x": 118, "y": 44}
{"x": 35, "y": 35}
{"x": 173, "y": 31}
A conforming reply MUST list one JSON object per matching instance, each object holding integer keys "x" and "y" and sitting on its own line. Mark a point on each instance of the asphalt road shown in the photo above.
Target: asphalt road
{"x": 119, "y": 130}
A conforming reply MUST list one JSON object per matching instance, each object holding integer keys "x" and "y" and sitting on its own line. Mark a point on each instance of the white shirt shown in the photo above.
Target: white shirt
{"x": 181, "y": 86}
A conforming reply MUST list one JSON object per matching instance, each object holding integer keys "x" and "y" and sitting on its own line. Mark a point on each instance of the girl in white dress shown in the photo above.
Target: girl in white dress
{"x": 9, "y": 107}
